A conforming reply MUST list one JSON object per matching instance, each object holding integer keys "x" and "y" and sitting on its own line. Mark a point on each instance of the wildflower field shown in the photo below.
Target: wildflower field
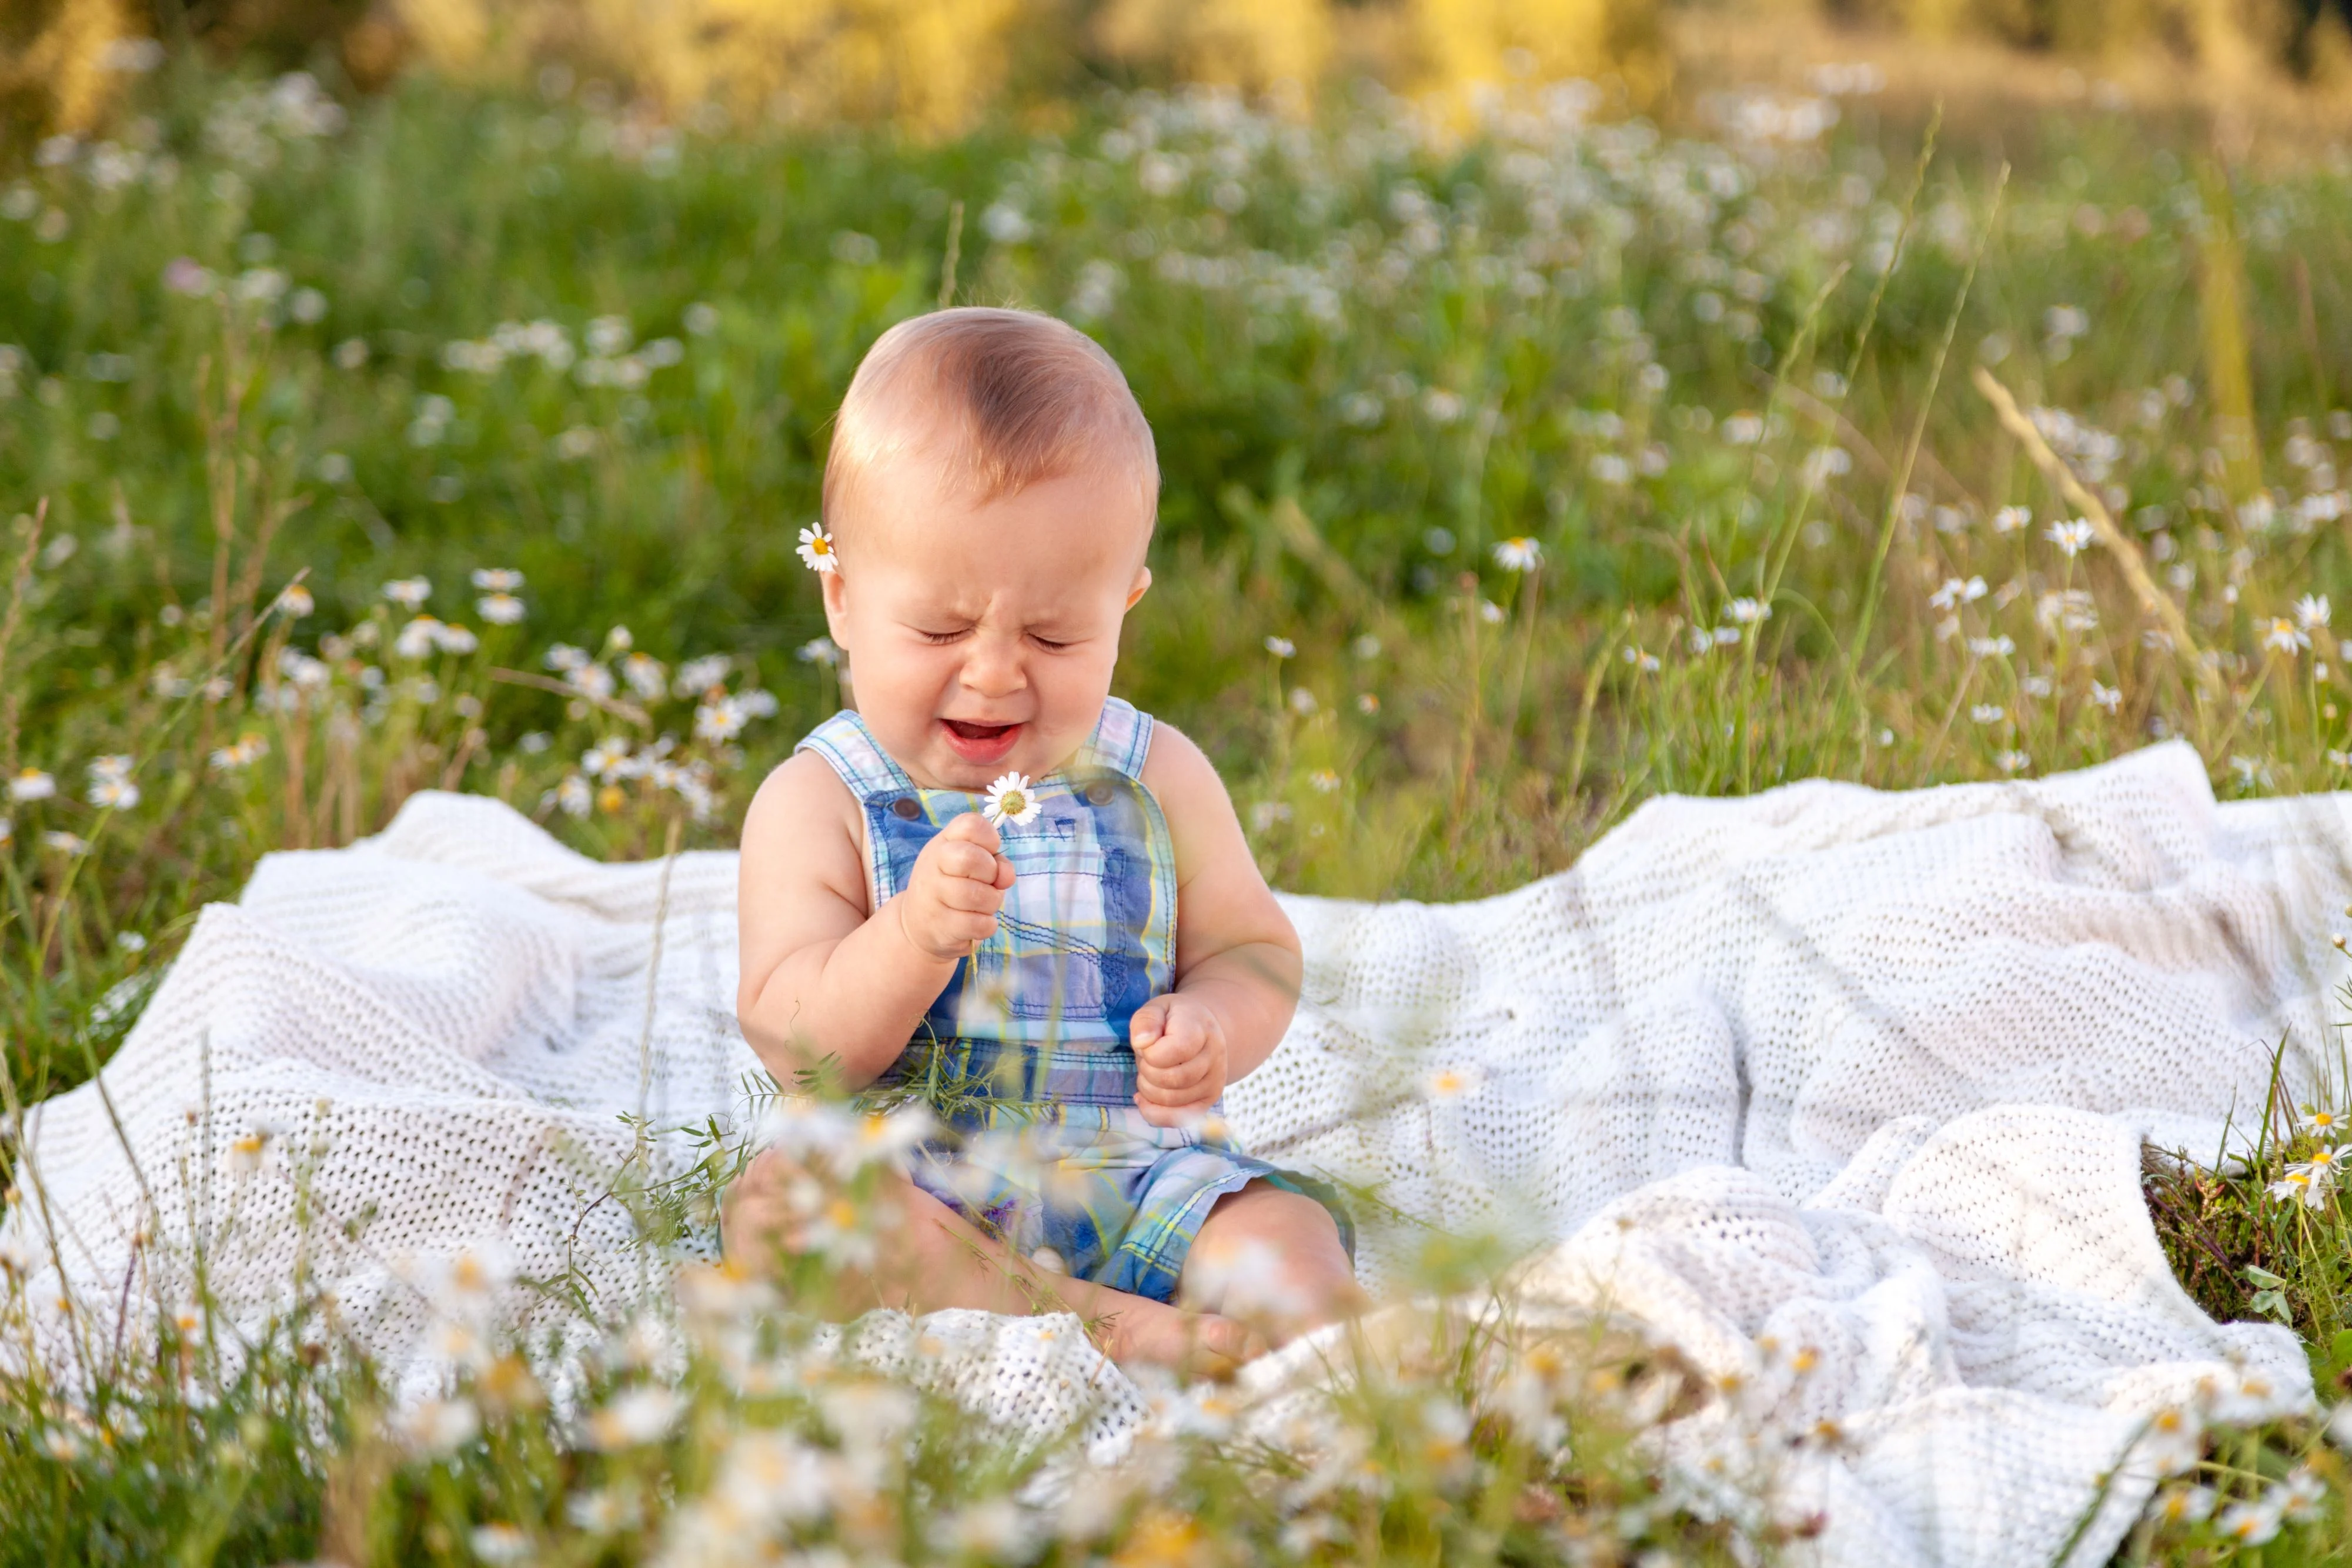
{"x": 1519, "y": 465}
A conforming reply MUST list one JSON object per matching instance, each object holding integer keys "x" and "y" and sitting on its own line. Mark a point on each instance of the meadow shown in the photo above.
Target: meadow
{"x": 1518, "y": 469}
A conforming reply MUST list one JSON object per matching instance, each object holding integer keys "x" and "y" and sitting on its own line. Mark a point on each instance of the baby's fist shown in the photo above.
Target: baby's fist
{"x": 951, "y": 897}
{"x": 1180, "y": 1058}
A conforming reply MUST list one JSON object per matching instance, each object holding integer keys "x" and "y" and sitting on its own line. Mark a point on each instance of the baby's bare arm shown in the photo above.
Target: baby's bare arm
{"x": 820, "y": 976}
{"x": 1236, "y": 954}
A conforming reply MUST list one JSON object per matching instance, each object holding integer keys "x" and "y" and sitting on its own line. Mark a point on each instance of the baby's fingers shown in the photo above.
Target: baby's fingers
{"x": 969, "y": 894}
{"x": 1175, "y": 1113}
{"x": 964, "y": 861}
{"x": 1181, "y": 1085}
{"x": 974, "y": 829}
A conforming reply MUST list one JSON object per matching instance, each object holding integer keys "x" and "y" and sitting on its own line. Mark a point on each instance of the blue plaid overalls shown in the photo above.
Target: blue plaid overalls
{"x": 1026, "y": 1052}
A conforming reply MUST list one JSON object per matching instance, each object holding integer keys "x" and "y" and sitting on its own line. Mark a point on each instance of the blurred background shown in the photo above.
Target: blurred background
{"x": 938, "y": 66}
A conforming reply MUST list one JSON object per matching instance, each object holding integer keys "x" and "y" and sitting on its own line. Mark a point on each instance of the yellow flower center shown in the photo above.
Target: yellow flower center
{"x": 821, "y": 545}
{"x": 1012, "y": 802}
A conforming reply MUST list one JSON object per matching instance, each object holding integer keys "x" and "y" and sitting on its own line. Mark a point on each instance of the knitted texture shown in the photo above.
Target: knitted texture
{"x": 1865, "y": 1073}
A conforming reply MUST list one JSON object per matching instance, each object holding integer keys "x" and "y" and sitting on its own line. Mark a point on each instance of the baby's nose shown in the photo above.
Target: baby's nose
{"x": 993, "y": 670}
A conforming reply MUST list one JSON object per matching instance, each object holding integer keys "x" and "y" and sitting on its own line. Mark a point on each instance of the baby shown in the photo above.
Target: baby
{"x": 994, "y": 874}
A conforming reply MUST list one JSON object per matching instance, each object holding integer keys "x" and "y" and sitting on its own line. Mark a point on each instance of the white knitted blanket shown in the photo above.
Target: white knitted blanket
{"x": 1861, "y": 1073}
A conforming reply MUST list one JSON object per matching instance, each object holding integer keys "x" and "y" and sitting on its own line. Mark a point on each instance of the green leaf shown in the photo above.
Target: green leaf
{"x": 2273, "y": 1303}
{"x": 2262, "y": 1276}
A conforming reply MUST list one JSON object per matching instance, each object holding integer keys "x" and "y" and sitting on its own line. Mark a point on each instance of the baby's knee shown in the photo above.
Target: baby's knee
{"x": 1268, "y": 1252}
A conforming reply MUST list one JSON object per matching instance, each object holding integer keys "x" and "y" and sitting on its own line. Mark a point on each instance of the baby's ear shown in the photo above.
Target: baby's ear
{"x": 1136, "y": 589}
{"x": 836, "y": 604}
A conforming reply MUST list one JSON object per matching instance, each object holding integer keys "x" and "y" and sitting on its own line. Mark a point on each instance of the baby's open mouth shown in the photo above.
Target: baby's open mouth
{"x": 980, "y": 742}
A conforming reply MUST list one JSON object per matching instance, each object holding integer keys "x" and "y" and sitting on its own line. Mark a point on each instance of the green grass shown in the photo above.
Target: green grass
{"x": 1674, "y": 359}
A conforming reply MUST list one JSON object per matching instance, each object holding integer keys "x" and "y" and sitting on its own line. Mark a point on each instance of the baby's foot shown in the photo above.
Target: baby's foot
{"x": 1199, "y": 1344}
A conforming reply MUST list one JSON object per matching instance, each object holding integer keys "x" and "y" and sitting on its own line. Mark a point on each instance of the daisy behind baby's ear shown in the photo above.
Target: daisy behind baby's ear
{"x": 816, "y": 548}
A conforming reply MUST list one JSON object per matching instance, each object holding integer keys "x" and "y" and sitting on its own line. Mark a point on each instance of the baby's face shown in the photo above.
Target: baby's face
{"x": 982, "y": 636}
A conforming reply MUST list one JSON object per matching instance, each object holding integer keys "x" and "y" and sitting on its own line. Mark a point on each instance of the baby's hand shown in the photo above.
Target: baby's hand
{"x": 1180, "y": 1053}
{"x": 950, "y": 900}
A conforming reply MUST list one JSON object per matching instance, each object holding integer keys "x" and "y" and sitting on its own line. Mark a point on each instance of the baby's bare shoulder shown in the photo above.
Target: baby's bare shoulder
{"x": 1221, "y": 900}
{"x": 1179, "y": 772}
{"x": 1192, "y": 798}
{"x": 802, "y": 828}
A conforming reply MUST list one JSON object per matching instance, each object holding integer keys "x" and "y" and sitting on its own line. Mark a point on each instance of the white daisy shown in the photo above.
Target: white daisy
{"x": 499, "y": 609}
{"x": 635, "y": 1417}
{"x": 1521, "y": 554}
{"x": 2312, "y": 610}
{"x": 722, "y": 719}
{"x": 1011, "y": 799}
{"x": 605, "y": 758}
{"x": 1956, "y": 592}
{"x": 2073, "y": 538}
{"x": 418, "y": 639}
{"x": 2323, "y": 1122}
{"x": 2296, "y": 1187}
{"x": 2299, "y": 1496}
{"x": 2247, "y": 1523}
{"x": 816, "y": 548}
{"x": 32, "y": 784}
{"x": 2285, "y": 637}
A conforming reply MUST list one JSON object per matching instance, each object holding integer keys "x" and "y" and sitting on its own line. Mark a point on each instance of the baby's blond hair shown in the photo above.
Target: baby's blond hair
{"x": 1003, "y": 399}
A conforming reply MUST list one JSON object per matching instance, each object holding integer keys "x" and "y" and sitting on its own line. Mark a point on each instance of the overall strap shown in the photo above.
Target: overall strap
{"x": 845, "y": 742}
{"x": 1122, "y": 740}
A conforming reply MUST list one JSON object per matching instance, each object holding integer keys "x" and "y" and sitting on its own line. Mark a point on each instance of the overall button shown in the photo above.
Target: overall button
{"x": 904, "y": 805}
{"x": 1098, "y": 792}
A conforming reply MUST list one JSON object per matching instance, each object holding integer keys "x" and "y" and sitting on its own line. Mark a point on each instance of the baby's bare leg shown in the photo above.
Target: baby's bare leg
{"x": 1273, "y": 1258}
{"x": 932, "y": 1259}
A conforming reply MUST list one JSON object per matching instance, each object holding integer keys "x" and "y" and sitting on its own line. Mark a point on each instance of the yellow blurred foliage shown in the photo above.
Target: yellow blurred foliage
{"x": 53, "y": 71}
{"x": 2232, "y": 38}
{"x": 1445, "y": 46}
{"x": 1246, "y": 44}
{"x": 932, "y": 66}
